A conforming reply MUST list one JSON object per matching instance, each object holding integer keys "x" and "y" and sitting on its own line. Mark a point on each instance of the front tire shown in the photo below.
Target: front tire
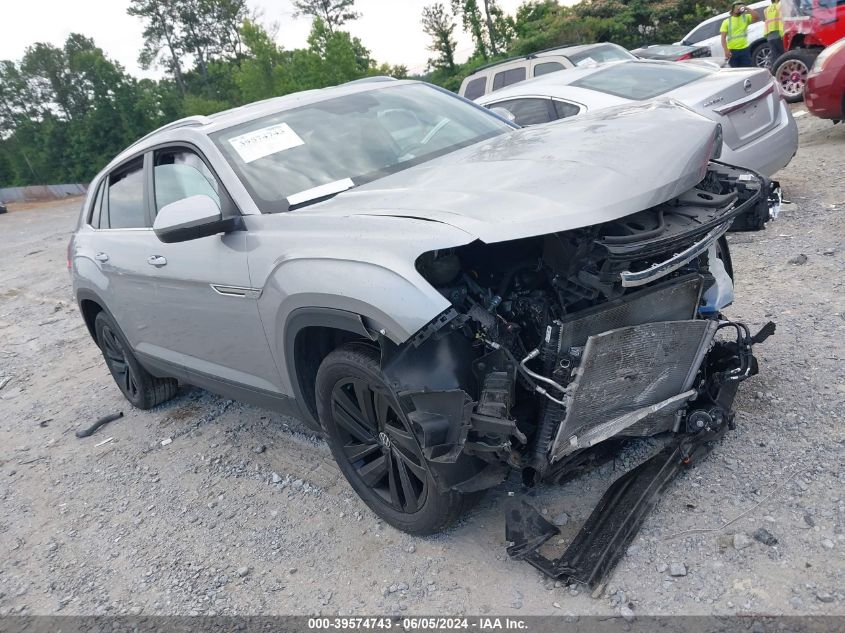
{"x": 791, "y": 70}
{"x": 375, "y": 447}
{"x": 140, "y": 387}
{"x": 761, "y": 56}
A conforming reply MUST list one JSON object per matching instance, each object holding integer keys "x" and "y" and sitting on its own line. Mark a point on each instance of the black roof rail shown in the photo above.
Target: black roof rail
{"x": 519, "y": 57}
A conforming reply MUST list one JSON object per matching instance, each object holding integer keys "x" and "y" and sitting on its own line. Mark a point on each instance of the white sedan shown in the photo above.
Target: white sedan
{"x": 759, "y": 132}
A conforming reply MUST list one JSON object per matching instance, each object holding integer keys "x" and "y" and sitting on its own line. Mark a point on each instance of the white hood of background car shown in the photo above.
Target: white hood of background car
{"x": 545, "y": 179}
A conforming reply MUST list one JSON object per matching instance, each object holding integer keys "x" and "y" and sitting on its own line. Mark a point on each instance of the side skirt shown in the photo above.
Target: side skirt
{"x": 265, "y": 399}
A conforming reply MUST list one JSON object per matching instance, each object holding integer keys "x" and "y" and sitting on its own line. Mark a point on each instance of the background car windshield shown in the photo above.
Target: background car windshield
{"x": 641, "y": 80}
{"x": 600, "y": 55}
{"x": 316, "y": 150}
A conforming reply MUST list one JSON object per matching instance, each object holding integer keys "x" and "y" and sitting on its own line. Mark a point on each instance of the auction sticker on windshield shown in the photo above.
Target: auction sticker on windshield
{"x": 269, "y": 140}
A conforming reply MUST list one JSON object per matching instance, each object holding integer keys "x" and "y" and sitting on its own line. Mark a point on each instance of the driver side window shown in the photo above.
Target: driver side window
{"x": 180, "y": 173}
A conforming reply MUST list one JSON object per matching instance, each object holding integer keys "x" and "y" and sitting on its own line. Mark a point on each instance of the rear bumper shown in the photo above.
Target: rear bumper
{"x": 771, "y": 152}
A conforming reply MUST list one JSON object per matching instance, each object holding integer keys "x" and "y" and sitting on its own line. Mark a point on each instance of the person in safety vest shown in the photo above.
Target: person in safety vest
{"x": 735, "y": 35}
{"x": 774, "y": 29}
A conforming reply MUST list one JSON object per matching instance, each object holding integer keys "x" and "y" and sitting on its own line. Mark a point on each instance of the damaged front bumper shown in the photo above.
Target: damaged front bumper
{"x": 558, "y": 344}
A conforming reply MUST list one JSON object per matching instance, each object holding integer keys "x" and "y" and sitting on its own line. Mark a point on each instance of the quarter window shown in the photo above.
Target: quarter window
{"x": 564, "y": 109}
{"x": 179, "y": 174}
{"x": 476, "y": 88}
{"x": 508, "y": 77}
{"x": 126, "y": 197}
{"x": 527, "y": 111}
{"x": 547, "y": 67}
{"x": 94, "y": 217}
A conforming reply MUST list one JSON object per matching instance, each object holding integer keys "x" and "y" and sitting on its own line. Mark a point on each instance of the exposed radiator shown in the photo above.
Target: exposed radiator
{"x": 629, "y": 376}
{"x": 670, "y": 301}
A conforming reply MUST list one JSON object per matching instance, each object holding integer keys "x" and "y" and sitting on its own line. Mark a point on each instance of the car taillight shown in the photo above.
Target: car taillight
{"x": 69, "y": 255}
{"x": 683, "y": 57}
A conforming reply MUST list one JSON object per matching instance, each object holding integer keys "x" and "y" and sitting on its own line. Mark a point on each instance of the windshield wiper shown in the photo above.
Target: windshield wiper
{"x": 319, "y": 193}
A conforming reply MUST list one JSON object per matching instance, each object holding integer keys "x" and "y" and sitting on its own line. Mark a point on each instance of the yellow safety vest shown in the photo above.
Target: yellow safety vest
{"x": 774, "y": 21}
{"x": 736, "y": 28}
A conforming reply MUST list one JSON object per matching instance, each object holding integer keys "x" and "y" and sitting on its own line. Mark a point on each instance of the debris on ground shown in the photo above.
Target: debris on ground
{"x": 101, "y": 422}
{"x": 765, "y": 537}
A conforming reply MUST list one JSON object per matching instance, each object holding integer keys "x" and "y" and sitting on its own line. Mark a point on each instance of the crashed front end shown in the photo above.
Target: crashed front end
{"x": 557, "y": 343}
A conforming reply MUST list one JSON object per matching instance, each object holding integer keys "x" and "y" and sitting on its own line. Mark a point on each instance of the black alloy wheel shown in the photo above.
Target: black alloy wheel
{"x": 140, "y": 387}
{"x": 379, "y": 445}
{"x": 118, "y": 363}
{"x": 375, "y": 447}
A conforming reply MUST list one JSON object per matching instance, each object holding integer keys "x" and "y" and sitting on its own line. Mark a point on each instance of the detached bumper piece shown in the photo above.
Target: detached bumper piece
{"x": 614, "y": 522}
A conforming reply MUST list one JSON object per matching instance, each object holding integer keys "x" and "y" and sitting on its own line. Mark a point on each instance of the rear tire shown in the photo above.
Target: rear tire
{"x": 141, "y": 388}
{"x": 375, "y": 447}
{"x": 791, "y": 70}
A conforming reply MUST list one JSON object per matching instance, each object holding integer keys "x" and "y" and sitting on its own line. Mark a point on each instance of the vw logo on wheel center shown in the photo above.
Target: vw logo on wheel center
{"x": 383, "y": 439}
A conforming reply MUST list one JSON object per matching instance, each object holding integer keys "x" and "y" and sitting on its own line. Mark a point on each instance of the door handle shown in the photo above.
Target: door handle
{"x": 101, "y": 257}
{"x": 156, "y": 260}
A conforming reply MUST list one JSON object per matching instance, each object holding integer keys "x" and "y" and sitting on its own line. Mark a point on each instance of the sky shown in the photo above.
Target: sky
{"x": 389, "y": 28}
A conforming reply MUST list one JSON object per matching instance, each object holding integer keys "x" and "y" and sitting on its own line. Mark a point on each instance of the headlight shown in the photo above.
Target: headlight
{"x": 825, "y": 56}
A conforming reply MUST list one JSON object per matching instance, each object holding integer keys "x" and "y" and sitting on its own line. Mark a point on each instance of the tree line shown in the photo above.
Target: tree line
{"x": 66, "y": 110}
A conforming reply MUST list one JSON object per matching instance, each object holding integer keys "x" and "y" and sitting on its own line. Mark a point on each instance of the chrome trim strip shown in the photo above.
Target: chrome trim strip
{"x": 741, "y": 103}
{"x": 632, "y": 280}
{"x": 238, "y": 292}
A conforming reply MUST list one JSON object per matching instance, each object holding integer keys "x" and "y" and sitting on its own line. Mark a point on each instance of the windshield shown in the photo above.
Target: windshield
{"x": 309, "y": 153}
{"x": 641, "y": 80}
{"x": 600, "y": 54}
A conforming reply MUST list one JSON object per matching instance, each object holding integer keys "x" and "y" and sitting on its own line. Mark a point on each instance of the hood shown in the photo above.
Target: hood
{"x": 544, "y": 179}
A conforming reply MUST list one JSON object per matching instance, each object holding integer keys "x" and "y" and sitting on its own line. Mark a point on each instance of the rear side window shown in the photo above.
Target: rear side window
{"x": 508, "y": 77}
{"x": 547, "y": 67}
{"x": 564, "y": 109}
{"x": 643, "y": 80}
{"x": 126, "y": 197}
{"x": 476, "y": 88}
{"x": 180, "y": 173}
{"x": 527, "y": 111}
{"x": 704, "y": 32}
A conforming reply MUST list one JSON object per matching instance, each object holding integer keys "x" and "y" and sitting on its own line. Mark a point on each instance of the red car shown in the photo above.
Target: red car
{"x": 825, "y": 92}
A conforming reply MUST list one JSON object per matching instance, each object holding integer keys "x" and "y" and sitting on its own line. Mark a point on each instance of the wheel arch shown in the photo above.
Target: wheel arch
{"x": 90, "y": 305}
{"x": 310, "y": 334}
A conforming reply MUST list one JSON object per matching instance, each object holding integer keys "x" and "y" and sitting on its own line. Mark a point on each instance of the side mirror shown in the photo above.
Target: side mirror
{"x": 191, "y": 218}
{"x": 507, "y": 115}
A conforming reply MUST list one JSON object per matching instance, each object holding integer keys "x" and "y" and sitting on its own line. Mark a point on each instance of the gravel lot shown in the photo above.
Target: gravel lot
{"x": 244, "y": 511}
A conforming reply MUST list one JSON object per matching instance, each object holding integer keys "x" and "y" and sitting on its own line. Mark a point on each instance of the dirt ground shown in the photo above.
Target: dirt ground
{"x": 244, "y": 511}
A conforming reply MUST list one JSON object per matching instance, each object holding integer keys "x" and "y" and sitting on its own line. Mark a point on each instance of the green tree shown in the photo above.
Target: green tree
{"x": 439, "y": 25}
{"x": 473, "y": 23}
{"x": 162, "y": 43}
{"x": 333, "y": 13}
{"x": 67, "y": 110}
{"x": 203, "y": 31}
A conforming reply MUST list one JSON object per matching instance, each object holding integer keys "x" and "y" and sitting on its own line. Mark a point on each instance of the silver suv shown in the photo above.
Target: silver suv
{"x": 447, "y": 297}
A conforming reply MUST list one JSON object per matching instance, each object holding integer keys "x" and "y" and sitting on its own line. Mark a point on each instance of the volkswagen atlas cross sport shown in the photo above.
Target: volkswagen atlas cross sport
{"x": 445, "y": 296}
